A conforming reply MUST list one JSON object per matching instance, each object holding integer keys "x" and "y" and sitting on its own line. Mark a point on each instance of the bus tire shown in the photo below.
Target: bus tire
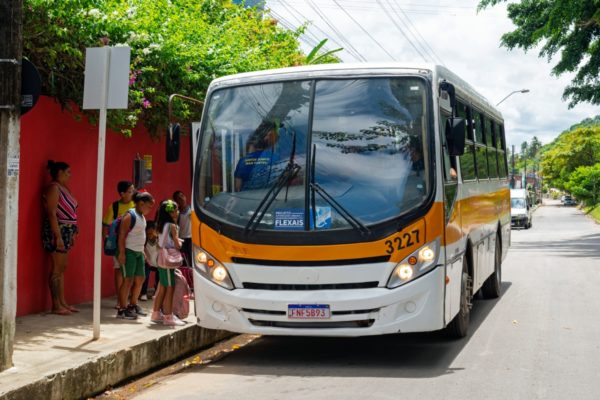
{"x": 491, "y": 288}
{"x": 459, "y": 326}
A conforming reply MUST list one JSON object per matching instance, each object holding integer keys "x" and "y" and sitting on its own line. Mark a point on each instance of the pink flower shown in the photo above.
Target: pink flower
{"x": 146, "y": 103}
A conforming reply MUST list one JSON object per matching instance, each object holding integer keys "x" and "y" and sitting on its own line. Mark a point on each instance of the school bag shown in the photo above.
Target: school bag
{"x": 111, "y": 243}
{"x": 181, "y": 296}
{"x": 115, "y": 207}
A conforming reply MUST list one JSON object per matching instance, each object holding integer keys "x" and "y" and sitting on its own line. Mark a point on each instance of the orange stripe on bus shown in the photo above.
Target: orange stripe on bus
{"x": 398, "y": 246}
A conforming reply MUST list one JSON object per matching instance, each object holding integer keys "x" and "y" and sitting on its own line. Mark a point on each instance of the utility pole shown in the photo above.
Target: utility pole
{"x": 512, "y": 179}
{"x": 11, "y": 49}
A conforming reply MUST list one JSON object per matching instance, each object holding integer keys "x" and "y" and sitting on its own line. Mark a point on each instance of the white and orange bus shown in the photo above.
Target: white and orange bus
{"x": 347, "y": 200}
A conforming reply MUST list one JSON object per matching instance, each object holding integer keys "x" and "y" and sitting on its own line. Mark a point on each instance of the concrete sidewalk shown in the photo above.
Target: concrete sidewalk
{"x": 56, "y": 358}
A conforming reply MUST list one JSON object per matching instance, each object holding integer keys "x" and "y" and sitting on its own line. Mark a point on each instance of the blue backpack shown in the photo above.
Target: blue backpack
{"x": 111, "y": 243}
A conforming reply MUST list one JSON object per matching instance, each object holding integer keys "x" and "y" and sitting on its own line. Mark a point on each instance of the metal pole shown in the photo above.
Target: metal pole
{"x": 99, "y": 198}
{"x": 512, "y": 179}
{"x": 525, "y": 173}
{"x": 11, "y": 39}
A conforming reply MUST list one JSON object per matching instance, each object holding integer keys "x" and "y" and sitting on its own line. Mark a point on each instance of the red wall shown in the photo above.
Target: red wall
{"x": 47, "y": 132}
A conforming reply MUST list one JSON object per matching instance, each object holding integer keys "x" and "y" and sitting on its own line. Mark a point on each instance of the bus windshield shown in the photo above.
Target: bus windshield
{"x": 266, "y": 148}
{"x": 517, "y": 203}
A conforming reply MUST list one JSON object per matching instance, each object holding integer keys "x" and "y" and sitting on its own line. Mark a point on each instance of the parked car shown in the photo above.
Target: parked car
{"x": 569, "y": 201}
{"x": 520, "y": 209}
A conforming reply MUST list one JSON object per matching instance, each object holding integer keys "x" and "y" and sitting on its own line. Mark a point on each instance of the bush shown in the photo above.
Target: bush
{"x": 177, "y": 46}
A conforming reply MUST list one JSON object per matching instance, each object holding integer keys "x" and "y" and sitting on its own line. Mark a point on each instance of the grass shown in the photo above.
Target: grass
{"x": 594, "y": 212}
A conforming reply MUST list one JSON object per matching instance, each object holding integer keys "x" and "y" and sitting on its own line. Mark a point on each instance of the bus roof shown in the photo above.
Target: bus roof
{"x": 436, "y": 72}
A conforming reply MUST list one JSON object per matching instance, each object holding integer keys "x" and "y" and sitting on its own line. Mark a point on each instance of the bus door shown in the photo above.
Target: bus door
{"x": 453, "y": 238}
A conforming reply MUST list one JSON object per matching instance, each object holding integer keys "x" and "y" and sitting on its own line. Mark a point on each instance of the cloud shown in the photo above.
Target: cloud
{"x": 467, "y": 42}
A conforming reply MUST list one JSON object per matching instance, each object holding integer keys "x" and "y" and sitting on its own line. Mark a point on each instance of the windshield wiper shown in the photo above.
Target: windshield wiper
{"x": 288, "y": 174}
{"x": 316, "y": 188}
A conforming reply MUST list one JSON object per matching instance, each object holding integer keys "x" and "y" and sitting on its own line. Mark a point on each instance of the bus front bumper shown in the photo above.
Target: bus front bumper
{"x": 417, "y": 306}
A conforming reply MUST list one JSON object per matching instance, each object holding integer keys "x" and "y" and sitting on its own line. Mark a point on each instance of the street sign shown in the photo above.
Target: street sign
{"x": 31, "y": 85}
{"x": 106, "y": 86}
{"x": 106, "y": 68}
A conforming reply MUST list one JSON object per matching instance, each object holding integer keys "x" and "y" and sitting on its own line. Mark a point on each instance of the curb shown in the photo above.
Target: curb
{"x": 96, "y": 375}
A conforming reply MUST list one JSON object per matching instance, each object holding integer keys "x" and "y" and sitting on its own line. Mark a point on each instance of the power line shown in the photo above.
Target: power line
{"x": 300, "y": 22}
{"x": 364, "y": 30}
{"x": 401, "y": 30}
{"x": 409, "y": 8}
{"x": 285, "y": 23}
{"x": 293, "y": 10}
{"x": 422, "y": 40}
{"x": 349, "y": 47}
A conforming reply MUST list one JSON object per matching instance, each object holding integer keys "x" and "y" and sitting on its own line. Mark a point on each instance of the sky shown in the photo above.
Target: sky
{"x": 448, "y": 32}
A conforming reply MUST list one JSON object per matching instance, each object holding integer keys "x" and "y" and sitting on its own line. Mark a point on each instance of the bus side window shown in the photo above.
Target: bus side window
{"x": 500, "y": 144}
{"x": 491, "y": 148}
{"x": 449, "y": 163}
{"x": 467, "y": 160}
{"x": 480, "y": 147}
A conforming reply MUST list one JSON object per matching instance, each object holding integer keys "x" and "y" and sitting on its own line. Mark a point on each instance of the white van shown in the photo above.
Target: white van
{"x": 520, "y": 208}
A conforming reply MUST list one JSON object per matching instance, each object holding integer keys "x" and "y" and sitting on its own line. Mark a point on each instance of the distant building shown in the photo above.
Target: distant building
{"x": 260, "y": 4}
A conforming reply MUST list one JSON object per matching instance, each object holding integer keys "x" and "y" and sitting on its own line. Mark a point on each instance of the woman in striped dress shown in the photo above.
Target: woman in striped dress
{"x": 59, "y": 231}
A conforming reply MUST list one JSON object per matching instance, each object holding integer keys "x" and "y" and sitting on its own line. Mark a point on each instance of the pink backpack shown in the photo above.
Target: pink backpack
{"x": 181, "y": 296}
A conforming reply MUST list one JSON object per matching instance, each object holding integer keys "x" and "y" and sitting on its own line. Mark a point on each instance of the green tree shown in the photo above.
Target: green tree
{"x": 577, "y": 148}
{"x": 524, "y": 149}
{"x": 177, "y": 46}
{"x": 569, "y": 28}
{"x": 534, "y": 148}
{"x": 584, "y": 183}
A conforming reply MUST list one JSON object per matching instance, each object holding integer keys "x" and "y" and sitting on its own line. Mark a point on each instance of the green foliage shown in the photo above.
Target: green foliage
{"x": 595, "y": 213}
{"x": 584, "y": 184}
{"x": 315, "y": 58}
{"x": 577, "y": 148}
{"x": 177, "y": 46}
{"x": 586, "y": 123}
{"x": 529, "y": 158}
{"x": 570, "y": 28}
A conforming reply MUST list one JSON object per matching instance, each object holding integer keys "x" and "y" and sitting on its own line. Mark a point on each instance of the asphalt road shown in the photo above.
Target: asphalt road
{"x": 540, "y": 340}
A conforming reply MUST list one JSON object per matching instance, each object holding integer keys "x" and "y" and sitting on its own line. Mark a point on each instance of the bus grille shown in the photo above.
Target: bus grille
{"x": 364, "y": 323}
{"x": 314, "y": 263}
{"x": 325, "y": 286}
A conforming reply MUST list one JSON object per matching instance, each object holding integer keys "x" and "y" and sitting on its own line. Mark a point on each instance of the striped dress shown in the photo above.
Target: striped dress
{"x": 66, "y": 209}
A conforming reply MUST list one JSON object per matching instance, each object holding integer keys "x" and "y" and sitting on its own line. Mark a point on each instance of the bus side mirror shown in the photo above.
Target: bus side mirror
{"x": 455, "y": 136}
{"x": 173, "y": 143}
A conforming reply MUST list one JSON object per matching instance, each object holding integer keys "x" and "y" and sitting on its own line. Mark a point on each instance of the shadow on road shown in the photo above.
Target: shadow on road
{"x": 414, "y": 355}
{"x": 583, "y": 247}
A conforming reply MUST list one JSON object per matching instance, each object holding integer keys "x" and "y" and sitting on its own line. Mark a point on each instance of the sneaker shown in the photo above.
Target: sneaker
{"x": 157, "y": 317}
{"x": 144, "y": 297}
{"x": 138, "y": 310}
{"x": 171, "y": 320}
{"x": 126, "y": 313}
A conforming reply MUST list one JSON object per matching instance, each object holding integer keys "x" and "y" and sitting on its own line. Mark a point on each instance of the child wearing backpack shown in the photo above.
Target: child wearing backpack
{"x": 131, "y": 255}
{"x": 113, "y": 211}
{"x": 169, "y": 238}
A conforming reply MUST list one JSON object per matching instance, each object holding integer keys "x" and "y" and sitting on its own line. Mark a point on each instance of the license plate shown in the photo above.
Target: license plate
{"x": 309, "y": 311}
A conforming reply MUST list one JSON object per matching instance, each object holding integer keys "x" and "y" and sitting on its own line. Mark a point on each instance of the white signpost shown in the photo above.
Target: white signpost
{"x": 106, "y": 86}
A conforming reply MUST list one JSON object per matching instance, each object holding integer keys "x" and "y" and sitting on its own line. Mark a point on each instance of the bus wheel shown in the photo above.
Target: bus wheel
{"x": 491, "y": 287}
{"x": 459, "y": 326}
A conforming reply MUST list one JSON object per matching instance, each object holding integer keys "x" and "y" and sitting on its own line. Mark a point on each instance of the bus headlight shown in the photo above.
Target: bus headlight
{"x": 415, "y": 265}
{"x": 210, "y": 268}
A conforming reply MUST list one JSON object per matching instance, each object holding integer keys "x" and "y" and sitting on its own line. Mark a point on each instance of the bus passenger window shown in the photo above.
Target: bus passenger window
{"x": 482, "y": 167}
{"x": 502, "y": 168}
{"x": 449, "y": 163}
{"x": 492, "y": 162}
{"x": 478, "y": 127}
